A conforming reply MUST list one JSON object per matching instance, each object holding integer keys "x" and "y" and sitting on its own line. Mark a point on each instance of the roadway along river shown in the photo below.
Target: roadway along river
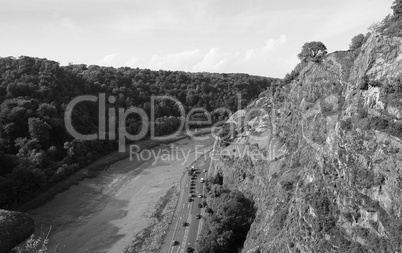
{"x": 103, "y": 214}
{"x": 185, "y": 226}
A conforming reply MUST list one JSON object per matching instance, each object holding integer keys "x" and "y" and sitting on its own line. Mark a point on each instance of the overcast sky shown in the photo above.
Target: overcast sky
{"x": 260, "y": 37}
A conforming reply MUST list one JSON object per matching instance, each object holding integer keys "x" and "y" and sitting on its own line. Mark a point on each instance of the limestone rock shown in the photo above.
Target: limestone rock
{"x": 329, "y": 174}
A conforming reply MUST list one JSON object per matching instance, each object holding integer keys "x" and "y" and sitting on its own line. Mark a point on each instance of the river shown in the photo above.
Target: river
{"x": 102, "y": 214}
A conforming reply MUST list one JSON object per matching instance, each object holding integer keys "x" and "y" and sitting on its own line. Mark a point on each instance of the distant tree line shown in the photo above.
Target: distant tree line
{"x": 36, "y": 150}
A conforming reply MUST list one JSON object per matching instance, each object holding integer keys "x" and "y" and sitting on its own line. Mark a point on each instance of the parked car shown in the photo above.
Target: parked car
{"x": 199, "y": 196}
{"x": 198, "y": 216}
{"x": 189, "y": 249}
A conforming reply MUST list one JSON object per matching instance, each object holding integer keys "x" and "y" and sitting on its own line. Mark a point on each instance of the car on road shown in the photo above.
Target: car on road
{"x": 185, "y": 224}
{"x": 202, "y": 180}
{"x": 174, "y": 243}
{"x": 205, "y": 170}
{"x": 199, "y": 196}
{"x": 189, "y": 249}
{"x": 190, "y": 199}
{"x": 198, "y": 216}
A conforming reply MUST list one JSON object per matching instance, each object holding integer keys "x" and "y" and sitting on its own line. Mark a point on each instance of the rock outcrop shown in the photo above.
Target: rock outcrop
{"x": 322, "y": 156}
{"x": 15, "y": 228}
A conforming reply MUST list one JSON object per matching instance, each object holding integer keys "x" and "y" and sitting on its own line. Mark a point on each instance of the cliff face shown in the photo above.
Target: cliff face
{"x": 322, "y": 156}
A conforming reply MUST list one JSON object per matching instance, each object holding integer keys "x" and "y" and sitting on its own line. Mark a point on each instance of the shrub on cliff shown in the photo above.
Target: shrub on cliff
{"x": 397, "y": 7}
{"x": 312, "y": 51}
{"x": 391, "y": 25}
{"x": 357, "y": 42}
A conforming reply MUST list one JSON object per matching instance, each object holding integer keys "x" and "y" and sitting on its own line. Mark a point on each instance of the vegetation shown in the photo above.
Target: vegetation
{"x": 357, "y": 42}
{"x": 36, "y": 150}
{"x": 295, "y": 73}
{"x": 391, "y": 25}
{"x": 229, "y": 220}
{"x": 35, "y": 245}
{"x": 397, "y": 7}
{"x": 312, "y": 51}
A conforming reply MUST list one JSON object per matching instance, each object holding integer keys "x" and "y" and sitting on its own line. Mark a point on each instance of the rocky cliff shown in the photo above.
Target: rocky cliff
{"x": 322, "y": 156}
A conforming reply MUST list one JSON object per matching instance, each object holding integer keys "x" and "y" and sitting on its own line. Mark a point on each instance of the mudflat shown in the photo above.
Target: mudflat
{"x": 102, "y": 214}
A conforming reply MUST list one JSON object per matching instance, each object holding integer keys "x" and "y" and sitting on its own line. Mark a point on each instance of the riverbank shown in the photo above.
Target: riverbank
{"x": 93, "y": 169}
{"x": 103, "y": 213}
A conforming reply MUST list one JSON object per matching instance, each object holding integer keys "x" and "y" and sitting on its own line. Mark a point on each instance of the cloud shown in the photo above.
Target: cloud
{"x": 67, "y": 23}
{"x": 212, "y": 61}
{"x": 179, "y": 61}
{"x": 134, "y": 62}
{"x": 273, "y": 43}
{"x": 269, "y": 46}
{"x": 110, "y": 60}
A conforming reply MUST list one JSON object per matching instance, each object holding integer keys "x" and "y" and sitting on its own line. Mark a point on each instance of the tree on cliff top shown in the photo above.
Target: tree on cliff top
{"x": 312, "y": 51}
{"x": 357, "y": 42}
{"x": 397, "y": 7}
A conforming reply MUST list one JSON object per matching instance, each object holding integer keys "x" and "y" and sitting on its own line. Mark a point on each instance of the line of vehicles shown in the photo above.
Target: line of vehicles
{"x": 193, "y": 172}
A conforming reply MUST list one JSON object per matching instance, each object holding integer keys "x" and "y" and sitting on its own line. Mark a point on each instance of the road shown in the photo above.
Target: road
{"x": 187, "y": 211}
{"x": 102, "y": 214}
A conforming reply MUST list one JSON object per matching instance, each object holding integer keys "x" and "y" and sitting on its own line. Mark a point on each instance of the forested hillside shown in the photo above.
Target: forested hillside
{"x": 36, "y": 150}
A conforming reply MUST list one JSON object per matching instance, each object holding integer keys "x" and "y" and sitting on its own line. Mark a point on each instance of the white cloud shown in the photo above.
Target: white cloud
{"x": 269, "y": 46}
{"x": 67, "y": 23}
{"x": 179, "y": 61}
{"x": 212, "y": 61}
{"x": 110, "y": 60}
{"x": 273, "y": 43}
{"x": 134, "y": 62}
{"x": 249, "y": 54}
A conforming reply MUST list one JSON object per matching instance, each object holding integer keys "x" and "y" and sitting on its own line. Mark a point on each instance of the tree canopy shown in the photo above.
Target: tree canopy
{"x": 312, "y": 51}
{"x": 357, "y": 42}
{"x": 229, "y": 219}
{"x": 397, "y": 7}
{"x": 37, "y": 151}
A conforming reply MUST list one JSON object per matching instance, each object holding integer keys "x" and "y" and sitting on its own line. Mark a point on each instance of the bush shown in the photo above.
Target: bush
{"x": 312, "y": 51}
{"x": 34, "y": 245}
{"x": 357, "y": 42}
{"x": 226, "y": 228}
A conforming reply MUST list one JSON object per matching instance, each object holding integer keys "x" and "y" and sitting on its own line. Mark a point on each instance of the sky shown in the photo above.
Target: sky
{"x": 258, "y": 37}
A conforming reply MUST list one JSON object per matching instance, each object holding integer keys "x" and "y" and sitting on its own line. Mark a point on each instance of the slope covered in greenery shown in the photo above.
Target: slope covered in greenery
{"x": 36, "y": 150}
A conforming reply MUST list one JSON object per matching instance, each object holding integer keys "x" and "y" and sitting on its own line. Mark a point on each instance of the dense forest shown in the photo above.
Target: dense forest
{"x": 36, "y": 151}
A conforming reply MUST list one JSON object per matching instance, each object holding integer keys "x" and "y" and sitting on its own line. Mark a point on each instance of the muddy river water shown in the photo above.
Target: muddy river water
{"x": 103, "y": 214}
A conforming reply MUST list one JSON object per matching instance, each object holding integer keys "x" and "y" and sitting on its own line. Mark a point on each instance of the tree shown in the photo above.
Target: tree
{"x": 397, "y": 7}
{"x": 357, "y": 42}
{"x": 312, "y": 51}
{"x": 39, "y": 129}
